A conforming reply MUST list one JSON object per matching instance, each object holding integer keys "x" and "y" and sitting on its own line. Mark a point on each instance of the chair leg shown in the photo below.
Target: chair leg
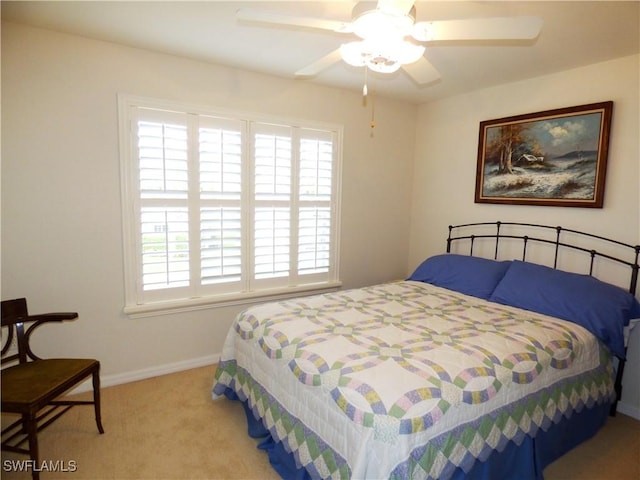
{"x": 25, "y": 422}
{"x": 96, "y": 399}
{"x": 32, "y": 432}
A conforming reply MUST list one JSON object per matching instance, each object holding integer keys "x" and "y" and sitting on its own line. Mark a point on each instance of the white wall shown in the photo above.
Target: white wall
{"x": 446, "y": 153}
{"x": 61, "y": 212}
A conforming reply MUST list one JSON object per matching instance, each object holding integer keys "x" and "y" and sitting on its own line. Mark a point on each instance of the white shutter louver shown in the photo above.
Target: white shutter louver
{"x": 220, "y": 163}
{"x": 272, "y": 167}
{"x": 163, "y": 160}
{"x": 272, "y": 212}
{"x": 314, "y": 224}
{"x": 220, "y": 245}
{"x": 272, "y": 242}
{"x": 165, "y": 247}
{"x": 316, "y": 160}
{"x": 220, "y": 151}
{"x": 314, "y": 240}
{"x": 164, "y": 179}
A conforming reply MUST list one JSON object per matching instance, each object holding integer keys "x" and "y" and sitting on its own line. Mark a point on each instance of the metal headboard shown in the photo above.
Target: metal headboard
{"x": 558, "y": 243}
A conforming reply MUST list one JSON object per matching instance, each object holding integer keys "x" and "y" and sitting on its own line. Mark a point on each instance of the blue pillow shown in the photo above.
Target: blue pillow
{"x": 469, "y": 275}
{"x": 601, "y": 308}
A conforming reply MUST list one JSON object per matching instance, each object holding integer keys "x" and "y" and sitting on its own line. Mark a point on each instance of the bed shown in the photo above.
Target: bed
{"x": 472, "y": 367}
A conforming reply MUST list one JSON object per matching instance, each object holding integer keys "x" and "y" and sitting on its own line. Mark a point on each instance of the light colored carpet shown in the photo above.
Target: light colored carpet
{"x": 168, "y": 428}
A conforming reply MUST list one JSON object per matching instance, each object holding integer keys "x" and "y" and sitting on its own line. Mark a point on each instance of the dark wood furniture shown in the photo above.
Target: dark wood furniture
{"x": 31, "y": 386}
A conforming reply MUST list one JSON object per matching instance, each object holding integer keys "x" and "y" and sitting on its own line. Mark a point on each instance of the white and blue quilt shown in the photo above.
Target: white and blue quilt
{"x": 407, "y": 379}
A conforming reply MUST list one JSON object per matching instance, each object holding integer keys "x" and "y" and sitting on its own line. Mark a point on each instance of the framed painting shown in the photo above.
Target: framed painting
{"x": 556, "y": 157}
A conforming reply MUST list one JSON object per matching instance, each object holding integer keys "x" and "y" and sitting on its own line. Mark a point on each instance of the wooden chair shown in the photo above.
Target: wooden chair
{"x": 31, "y": 386}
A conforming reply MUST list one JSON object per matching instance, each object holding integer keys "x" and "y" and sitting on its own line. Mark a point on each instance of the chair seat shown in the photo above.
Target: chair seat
{"x": 34, "y": 383}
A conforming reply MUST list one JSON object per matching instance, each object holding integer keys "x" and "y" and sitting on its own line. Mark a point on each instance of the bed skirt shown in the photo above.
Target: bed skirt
{"x": 522, "y": 462}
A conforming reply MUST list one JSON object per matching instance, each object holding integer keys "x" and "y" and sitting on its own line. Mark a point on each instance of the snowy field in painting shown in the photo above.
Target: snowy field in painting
{"x": 560, "y": 178}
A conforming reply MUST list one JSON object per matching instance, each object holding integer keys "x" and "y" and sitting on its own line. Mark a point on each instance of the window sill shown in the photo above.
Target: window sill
{"x": 202, "y": 303}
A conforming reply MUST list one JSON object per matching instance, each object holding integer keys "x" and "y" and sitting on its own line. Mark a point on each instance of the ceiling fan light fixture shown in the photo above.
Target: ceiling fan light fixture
{"x": 381, "y": 24}
{"x": 383, "y": 65}
{"x": 380, "y": 57}
{"x": 359, "y": 54}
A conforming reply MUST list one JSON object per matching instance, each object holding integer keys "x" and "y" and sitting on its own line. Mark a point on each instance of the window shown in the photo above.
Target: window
{"x": 223, "y": 207}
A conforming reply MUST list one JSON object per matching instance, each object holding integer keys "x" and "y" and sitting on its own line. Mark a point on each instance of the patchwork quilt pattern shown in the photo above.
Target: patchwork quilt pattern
{"x": 407, "y": 380}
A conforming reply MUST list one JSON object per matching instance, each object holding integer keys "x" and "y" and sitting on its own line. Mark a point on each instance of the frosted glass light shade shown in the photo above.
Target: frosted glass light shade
{"x": 381, "y": 24}
{"x": 383, "y": 57}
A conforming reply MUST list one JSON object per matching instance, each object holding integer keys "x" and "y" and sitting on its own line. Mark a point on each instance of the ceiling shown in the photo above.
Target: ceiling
{"x": 574, "y": 33}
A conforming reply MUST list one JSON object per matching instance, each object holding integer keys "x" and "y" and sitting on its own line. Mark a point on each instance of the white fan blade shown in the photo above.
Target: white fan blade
{"x": 422, "y": 72}
{"x": 498, "y": 28}
{"x": 396, "y": 6}
{"x": 319, "y": 65}
{"x": 272, "y": 18}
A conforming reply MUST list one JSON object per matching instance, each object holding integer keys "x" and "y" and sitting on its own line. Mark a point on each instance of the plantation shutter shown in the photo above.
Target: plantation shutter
{"x": 162, "y": 145}
{"x": 272, "y": 195}
{"x": 315, "y": 196}
{"x": 225, "y": 208}
{"x": 221, "y": 217}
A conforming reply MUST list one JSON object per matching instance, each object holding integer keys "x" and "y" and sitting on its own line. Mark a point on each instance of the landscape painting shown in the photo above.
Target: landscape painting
{"x": 556, "y": 157}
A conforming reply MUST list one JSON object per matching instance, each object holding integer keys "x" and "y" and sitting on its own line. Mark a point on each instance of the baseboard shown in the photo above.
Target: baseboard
{"x": 629, "y": 410}
{"x": 134, "y": 376}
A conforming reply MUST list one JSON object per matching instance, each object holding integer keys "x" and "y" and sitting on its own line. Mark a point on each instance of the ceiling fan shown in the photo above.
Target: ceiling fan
{"x": 390, "y": 38}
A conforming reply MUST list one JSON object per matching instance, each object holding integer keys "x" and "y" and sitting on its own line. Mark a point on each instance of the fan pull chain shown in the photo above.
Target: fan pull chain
{"x": 372, "y": 124}
{"x": 365, "y": 92}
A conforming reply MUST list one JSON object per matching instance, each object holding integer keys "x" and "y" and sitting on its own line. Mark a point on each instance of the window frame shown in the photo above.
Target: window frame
{"x": 131, "y": 202}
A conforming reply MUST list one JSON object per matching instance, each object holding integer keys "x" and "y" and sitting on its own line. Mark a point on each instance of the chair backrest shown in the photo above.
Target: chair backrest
{"x": 14, "y": 314}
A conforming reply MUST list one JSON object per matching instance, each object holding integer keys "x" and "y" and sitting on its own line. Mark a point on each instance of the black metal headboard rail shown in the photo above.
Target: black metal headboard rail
{"x": 558, "y": 242}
